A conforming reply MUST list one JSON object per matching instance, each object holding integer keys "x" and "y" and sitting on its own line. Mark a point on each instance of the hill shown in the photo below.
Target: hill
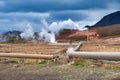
{"x": 63, "y": 34}
{"x": 12, "y": 33}
{"x": 110, "y": 19}
{"x": 111, "y": 30}
{"x": 106, "y": 31}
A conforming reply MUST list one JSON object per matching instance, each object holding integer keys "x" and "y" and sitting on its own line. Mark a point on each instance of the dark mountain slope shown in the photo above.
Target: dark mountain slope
{"x": 111, "y": 19}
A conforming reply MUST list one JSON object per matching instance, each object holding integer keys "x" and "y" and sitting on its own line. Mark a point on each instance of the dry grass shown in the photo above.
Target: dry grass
{"x": 22, "y": 69}
{"x": 101, "y": 46}
{"x": 31, "y": 48}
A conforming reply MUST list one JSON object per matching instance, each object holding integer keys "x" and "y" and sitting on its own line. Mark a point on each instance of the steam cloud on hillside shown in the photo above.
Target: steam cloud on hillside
{"x": 28, "y": 33}
{"x": 49, "y": 31}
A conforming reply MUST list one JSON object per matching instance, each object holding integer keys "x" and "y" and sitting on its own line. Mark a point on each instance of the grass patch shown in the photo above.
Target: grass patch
{"x": 11, "y": 62}
{"x": 82, "y": 62}
{"x": 113, "y": 68}
{"x": 43, "y": 62}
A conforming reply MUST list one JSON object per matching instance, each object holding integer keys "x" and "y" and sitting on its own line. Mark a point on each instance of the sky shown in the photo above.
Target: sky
{"x": 16, "y": 14}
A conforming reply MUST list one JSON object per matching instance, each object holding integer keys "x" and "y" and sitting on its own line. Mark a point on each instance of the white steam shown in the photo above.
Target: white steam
{"x": 47, "y": 36}
{"x": 28, "y": 33}
{"x": 49, "y": 31}
{"x": 68, "y": 24}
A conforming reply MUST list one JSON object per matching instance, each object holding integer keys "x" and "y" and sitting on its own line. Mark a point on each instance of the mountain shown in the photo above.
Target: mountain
{"x": 92, "y": 33}
{"x": 110, "y": 19}
{"x": 111, "y": 30}
{"x": 14, "y": 36}
{"x": 10, "y": 36}
{"x": 63, "y": 34}
{"x": 12, "y": 33}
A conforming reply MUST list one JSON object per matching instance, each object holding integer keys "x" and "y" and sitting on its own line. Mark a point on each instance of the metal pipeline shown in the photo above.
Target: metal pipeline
{"x": 72, "y": 52}
{"x": 114, "y": 56}
{"x": 31, "y": 56}
{"x": 62, "y": 44}
{"x": 78, "y": 46}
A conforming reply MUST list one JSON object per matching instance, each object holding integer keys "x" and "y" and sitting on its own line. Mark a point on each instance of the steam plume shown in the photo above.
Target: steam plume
{"x": 49, "y": 31}
{"x": 28, "y": 33}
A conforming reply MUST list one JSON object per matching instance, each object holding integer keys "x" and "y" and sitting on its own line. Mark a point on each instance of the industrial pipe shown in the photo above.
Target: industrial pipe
{"x": 31, "y": 56}
{"x": 62, "y": 44}
{"x": 77, "y": 47}
{"x": 114, "y": 56}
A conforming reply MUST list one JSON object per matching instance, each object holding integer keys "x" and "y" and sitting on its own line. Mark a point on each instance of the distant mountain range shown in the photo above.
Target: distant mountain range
{"x": 14, "y": 36}
{"x": 10, "y": 36}
{"x": 110, "y": 19}
{"x": 12, "y": 33}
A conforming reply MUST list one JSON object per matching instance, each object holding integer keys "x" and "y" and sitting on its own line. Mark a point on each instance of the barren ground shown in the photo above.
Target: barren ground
{"x": 52, "y": 71}
{"x": 28, "y": 69}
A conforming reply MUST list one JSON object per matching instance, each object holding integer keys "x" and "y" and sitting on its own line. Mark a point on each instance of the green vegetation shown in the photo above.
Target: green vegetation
{"x": 43, "y": 62}
{"x": 113, "y": 68}
{"x": 15, "y": 40}
{"x": 11, "y": 40}
{"x": 82, "y": 62}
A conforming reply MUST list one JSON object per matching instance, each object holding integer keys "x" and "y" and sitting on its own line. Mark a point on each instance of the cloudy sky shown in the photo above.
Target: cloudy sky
{"x": 15, "y": 14}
